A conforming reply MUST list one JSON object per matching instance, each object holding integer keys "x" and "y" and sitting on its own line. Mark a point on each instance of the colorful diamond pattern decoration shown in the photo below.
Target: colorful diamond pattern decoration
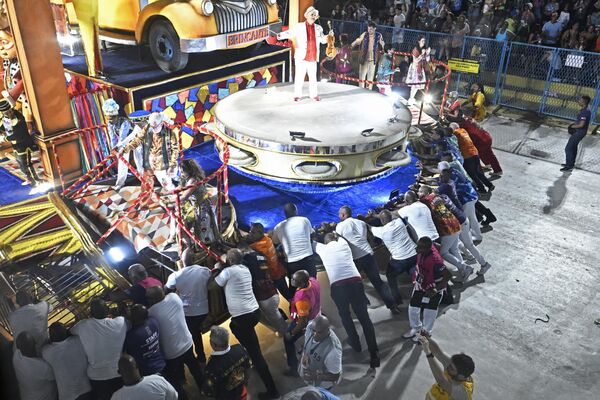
{"x": 197, "y": 104}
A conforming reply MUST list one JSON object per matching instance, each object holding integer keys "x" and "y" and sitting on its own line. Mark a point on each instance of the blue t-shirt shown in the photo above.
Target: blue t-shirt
{"x": 584, "y": 115}
{"x": 464, "y": 189}
{"x": 142, "y": 344}
{"x": 552, "y": 31}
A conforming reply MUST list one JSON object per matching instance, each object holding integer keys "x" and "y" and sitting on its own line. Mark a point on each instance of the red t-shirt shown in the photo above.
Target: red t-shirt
{"x": 311, "y": 43}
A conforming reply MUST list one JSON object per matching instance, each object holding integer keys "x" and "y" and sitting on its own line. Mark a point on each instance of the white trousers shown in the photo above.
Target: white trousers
{"x": 469, "y": 210}
{"x": 303, "y": 68}
{"x": 270, "y": 316}
{"x": 122, "y": 169}
{"x": 166, "y": 181}
{"x": 366, "y": 71}
{"x": 450, "y": 251}
{"x": 467, "y": 241}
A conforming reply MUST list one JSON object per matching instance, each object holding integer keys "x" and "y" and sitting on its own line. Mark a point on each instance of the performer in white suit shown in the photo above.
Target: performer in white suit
{"x": 307, "y": 35}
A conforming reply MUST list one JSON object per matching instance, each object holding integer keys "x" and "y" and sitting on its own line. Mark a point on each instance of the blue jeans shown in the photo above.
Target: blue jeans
{"x": 571, "y": 148}
{"x": 397, "y": 268}
{"x": 368, "y": 264}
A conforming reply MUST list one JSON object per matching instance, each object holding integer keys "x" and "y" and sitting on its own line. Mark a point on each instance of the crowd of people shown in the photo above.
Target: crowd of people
{"x": 567, "y": 24}
{"x": 137, "y": 344}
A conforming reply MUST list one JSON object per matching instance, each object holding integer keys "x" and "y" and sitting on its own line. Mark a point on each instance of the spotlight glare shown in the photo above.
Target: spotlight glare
{"x": 428, "y": 99}
{"x": 116, "y": 254}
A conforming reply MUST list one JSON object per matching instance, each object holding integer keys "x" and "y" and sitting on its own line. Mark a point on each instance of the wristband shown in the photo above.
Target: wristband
{"x": 430, "y": 355}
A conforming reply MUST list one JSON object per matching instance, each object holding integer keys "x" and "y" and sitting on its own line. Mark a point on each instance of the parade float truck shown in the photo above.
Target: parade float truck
{"x": 175, "y": 28}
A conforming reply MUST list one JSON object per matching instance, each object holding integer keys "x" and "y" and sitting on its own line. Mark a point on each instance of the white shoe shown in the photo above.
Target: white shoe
{"x": 484, "y": 268}
{"x": 411, "y": 334}
{"x": 25, "y": 183}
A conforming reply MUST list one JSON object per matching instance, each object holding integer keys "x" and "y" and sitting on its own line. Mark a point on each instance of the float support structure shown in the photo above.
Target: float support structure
{"x": 42, "y": 71}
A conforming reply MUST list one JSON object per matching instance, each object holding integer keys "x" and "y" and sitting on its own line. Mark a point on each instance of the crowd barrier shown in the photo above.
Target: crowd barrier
{"x": 545, "y": 80}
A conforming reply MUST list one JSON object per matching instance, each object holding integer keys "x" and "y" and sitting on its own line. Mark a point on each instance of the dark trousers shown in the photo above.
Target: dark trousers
{"x": 368, "y": 265}
{"x": 86, "y": 396}
{"x": 307, "y": 263}
{"x": 175, "y": 372}
{"x": 290, "y": 347}
{"x": 482, "y": 211}
{"x": 397, "y": 268}
{"x": 282, "y": 286}
{"x": 103, "y": 390}
{"x": 26, "y": 166}
{"x": 194, "y": 324}
{"x": 243, "y": 328}
{"x": 473, "y": 168}
{"x": 571, "y": 148}
{"x": 348, "y": 295}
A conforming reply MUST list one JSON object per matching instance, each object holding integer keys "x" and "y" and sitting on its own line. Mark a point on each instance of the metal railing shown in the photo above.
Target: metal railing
{"x": 545, "y": 80}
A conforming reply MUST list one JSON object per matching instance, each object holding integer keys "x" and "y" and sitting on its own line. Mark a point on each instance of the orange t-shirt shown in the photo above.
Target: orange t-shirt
{"x": 265, "y": 247}
{"x": 467, "y": 148}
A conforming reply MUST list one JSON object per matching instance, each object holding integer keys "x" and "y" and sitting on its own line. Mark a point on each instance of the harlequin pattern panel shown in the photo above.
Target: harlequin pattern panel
{"x": 197, "y": 104}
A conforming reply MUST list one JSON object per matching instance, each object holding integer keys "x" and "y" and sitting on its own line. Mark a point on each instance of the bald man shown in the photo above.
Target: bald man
{"x": 138, "y": 387}
{"x": 321, "y": 363}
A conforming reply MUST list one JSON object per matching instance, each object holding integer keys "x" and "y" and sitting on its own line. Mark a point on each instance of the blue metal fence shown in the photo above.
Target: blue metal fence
{"x": 542, "y": 79}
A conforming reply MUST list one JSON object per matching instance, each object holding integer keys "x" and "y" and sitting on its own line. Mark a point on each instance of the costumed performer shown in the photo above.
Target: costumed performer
{"x": 196, "y": 208}
{"x": 306, "y": 35}
{"x": 164, "y": 147}
{"x": 343, "y": 58}
{"x": 385, "y": 72}
{"x": 139, "y": 119}
{"x": 369, "y": 43}
{"x": 14, "y": 129}
{"x": 120, "y": 132}
{"x": 417, "y": 70}
{"x": 13, "y": 90}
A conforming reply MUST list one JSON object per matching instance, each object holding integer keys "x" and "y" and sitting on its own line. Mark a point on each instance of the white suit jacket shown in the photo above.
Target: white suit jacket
{"x": 298, "y": 35}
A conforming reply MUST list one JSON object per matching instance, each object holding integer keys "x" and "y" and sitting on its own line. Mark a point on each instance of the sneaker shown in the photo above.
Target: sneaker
{"x": 395, "y": 310}
{"x": 317, "y": 98}
{"x": 268, "y": 395}
{"x": 416, "y": 339}
{"x": 484, "y": 268}
{"x": 498, "y": 174}
{"x": 566, "y": 168}
{"x": 355, "y": 346}
{"x": 491, "y": 188}
{"x": 476, "y": 243}
{"x": 464, "y": 275}
{"x": 25, "y": 183}
{"x": 411, "y": 334}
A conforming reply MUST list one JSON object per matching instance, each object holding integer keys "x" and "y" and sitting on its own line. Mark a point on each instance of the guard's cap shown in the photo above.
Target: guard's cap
{"x": 139, "y": 115}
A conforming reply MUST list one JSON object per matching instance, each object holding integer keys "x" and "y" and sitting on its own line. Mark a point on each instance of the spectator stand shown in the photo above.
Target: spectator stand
{"x": 541, "y": 79}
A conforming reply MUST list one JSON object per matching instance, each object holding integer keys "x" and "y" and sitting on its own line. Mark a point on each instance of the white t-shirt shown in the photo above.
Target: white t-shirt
{"x": 102, "y": 340}
{"x": 237, "y": 281}
{"x": 419, "y": 217}
{"x": 355, "y": 232}
{"x": 32, "y": 318}
{"x": 294, "y": 235}
{"x": 191, "y": 286}
{"x": 175, "y": 337}
{"x": 396, "y": 238}
{"x": 35, "y": 378}
{"x": 152, "y": 387}
{"x": 337, "y": 260}
{"x": 69, "y": 364}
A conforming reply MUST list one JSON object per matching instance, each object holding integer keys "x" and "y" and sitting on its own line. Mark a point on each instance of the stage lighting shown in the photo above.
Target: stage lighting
{"x": 116, "y": 254}
{"x": 427, "y": 99}
{"x": 297, "y": 135}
